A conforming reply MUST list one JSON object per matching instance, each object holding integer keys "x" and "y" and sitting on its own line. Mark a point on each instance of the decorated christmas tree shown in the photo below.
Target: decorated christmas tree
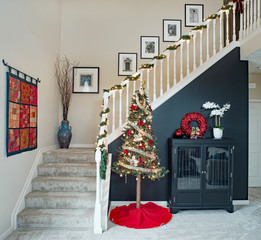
{"x": 138, "y": 154}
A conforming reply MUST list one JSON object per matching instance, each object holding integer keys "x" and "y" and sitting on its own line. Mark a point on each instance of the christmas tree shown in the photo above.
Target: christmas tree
{"x": 138, "y": 154}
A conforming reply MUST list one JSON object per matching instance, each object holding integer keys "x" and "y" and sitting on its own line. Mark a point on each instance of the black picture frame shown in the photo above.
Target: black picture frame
{"x": 194, "y": 15}
{"x": 149, "y": 46}
{"x": 127, "y": 63}
{"x": 86, "y": 80}
{"x": 171, "y": 30}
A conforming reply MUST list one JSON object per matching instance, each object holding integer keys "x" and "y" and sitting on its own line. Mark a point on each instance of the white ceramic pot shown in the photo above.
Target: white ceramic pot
{"x": 218, "y": 133}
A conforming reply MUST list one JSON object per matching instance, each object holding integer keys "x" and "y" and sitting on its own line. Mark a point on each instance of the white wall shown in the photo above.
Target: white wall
{"x": 94, "y": 32}
{"x": 255, "y": 93}
{"x": 29, "y": 41}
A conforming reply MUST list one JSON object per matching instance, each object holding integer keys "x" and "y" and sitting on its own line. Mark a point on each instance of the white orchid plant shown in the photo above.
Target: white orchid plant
{"x": 217, "y": 111}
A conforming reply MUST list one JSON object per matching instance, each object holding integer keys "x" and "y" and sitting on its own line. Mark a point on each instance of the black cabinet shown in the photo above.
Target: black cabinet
{"x": 201, "y": 174}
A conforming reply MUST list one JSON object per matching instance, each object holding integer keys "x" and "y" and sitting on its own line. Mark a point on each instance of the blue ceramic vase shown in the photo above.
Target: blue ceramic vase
{"x": 64, "y": 134}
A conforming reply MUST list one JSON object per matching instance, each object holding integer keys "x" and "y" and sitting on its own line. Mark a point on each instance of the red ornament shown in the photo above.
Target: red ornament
{"x": 133, "y": 108}
{"x": 179, "y": 133}
{"x": 197, "y": 117}
{"x": 126, "y": 152}
{"x": 151, "y": 142}
{"x": 239, "y": 5}
{"x": 128, "y": 132}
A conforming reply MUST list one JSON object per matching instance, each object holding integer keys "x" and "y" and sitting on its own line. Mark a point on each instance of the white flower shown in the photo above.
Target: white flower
{"x": 215, "y": 112}
{"x": 210, "y": 105}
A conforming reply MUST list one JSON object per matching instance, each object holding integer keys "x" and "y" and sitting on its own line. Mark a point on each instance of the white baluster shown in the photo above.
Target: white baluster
{"x": 214, "y": 37}
{"x": 254, "y": 23}
{"x": 168, "y": 56}
{"x": 120, "y": 110}
{"x": 194, "y": 50}
{"x": 127, "y": 98}
{"x": 113, "y": 110}
{"x": 207, "y": 40}
{"x": 234, "y": 22}
{"x": 181, "y": 60}
{"x": 258, "y": 13}
{"x": 175, "y": 67}
{"x": 227, "y": 27}
{"x": 221, "y": 31}
{"x": 141, "y": 78}
{"x": 134, "y": 87}
{"x": 148, "y": 79}
{"x": 161, "y": 77}
{"x": 241, "y": 25}
{"x": 200, "y": 47}
{"x": 251, "y": 15}
{"x": 188, "y": 41}
{"x": 154, "y": 81}
{"x": 248, "y": 16}
{"x": 245, "y": 20}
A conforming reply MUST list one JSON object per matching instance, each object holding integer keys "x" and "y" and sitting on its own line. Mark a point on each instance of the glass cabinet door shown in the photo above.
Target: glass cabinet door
{"x": 188, "y": 168}
{"x": 217, "y": 167}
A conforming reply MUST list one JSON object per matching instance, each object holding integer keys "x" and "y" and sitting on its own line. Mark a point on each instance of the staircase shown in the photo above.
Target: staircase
{"x": 63, "y": 194}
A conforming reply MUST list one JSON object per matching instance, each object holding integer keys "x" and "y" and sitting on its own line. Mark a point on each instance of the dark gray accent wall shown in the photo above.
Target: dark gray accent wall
{"x": 226, "y": 81}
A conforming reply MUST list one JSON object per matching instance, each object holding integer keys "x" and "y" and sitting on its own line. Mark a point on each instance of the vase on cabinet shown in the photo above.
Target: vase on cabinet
{"x": 217, "y": 133}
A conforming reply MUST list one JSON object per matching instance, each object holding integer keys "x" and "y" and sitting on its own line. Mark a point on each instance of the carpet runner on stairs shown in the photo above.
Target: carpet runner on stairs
{"x": 63, "y": 194}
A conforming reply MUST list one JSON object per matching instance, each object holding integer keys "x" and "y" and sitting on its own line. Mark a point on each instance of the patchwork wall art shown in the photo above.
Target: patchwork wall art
{"x": 21, "y": 114}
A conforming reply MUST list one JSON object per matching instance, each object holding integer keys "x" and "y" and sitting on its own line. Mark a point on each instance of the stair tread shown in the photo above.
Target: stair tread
{"x": 90, "y": 165}
{"x": 72, "y": 150}
{"x": 46, "y": 194}
{"x": 64, "y": 179}
{"x": 27, "y": 212}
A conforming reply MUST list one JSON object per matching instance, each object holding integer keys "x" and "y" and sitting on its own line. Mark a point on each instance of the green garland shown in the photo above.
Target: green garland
{"x": 104, "y": 123}
{"x": 160, "y": 57}
{"x": 226, "y": 7}
{"x": 186, "y": 37}
{"x": 213, "y": 16}
{"x": 201, "y": 27}
{"x": 103, "y": 166}
{"x": 173, "y": 47}
{"x": 147, "y": 66}
{"x": 107, "y": 110}
{"x": 131, "y": 78}
{"x": 101, "y": 136}
{"x": 118, "y": 86}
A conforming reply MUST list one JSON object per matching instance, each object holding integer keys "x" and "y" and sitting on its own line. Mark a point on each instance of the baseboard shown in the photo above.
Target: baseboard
{"x": 240, "y": 202}
{"x": 6, "y": 233}
{"x": 121, "y": 203}
{"x": 82, "y": 145}
{"x": 27, "y": 186}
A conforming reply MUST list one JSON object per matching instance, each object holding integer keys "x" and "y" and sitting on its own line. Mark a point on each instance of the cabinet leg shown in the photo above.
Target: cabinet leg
{"x": 230, "y": 209}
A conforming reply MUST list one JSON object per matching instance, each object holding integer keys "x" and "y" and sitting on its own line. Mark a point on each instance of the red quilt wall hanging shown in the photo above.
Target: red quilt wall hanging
{"x": 21, "y": 114}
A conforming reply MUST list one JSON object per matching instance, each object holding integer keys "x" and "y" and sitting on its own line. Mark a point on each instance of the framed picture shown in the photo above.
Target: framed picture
{"x": 194, "y": 14}
{"x": 127, "y": 64}
{"x": 171, "y": 30}
{"x": 85, "y": 80}
{"x": 149, "y": 47}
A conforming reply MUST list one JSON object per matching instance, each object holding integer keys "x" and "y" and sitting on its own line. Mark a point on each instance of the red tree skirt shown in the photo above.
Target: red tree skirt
{"x": 149, "y": 215}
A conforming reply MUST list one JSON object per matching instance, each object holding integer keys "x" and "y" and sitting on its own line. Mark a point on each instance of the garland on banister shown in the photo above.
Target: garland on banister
{"x": 116, "y": 87}
{"x": 131, "y": 78}
{"x": 101, "y": 136}
{"x": 186, "y": 37}
{"x": 103, "y": 166}
{"x": 104, "y": 123}
{"x": 201, "y": 27}
{"x": 226, "y": 7}
{"x": 160, "y": 57}
{"x": 213, "y": 16}
{"x": 107, "y": 110}
{"x": 147, "y": 66}
{"x": 173, "y": 47}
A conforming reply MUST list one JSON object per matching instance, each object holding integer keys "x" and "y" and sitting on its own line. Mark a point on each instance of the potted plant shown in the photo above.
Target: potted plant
{"x": 63, "y": 74}
{"x": 218, "y": 112}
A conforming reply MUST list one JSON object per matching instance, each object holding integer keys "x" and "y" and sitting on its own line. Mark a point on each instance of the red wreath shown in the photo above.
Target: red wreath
{"x": 190, "y": 117}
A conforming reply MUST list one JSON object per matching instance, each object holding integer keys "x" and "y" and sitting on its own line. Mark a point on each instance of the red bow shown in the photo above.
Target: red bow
{"x": 239, "y": 5}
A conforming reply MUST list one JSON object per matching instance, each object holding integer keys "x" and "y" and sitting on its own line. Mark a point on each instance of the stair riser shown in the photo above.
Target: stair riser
{"x": 59, "y": 203}
{"x": 66, "y": 158}
{"x": 54, "y": 222}
{"x": 55, "y": 186}
{"x": 66, "y": 171}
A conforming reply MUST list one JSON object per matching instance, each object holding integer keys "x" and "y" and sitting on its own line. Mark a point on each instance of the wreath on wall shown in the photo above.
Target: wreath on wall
{"x": 186, "y": 129}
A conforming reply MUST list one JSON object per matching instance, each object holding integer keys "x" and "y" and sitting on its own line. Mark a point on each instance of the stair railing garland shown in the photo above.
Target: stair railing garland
{"x": 172, "y": 47}
{"x": 160, "y": 57}
{"x": 147, "y": 66}
{"x": 201, "y": 27}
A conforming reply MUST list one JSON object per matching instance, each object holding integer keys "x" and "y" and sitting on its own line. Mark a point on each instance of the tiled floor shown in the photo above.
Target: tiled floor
{"x": 243, "y": 224}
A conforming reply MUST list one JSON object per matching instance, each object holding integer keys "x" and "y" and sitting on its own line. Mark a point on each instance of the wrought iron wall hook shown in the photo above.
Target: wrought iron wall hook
{"x": 18, "y": 72}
